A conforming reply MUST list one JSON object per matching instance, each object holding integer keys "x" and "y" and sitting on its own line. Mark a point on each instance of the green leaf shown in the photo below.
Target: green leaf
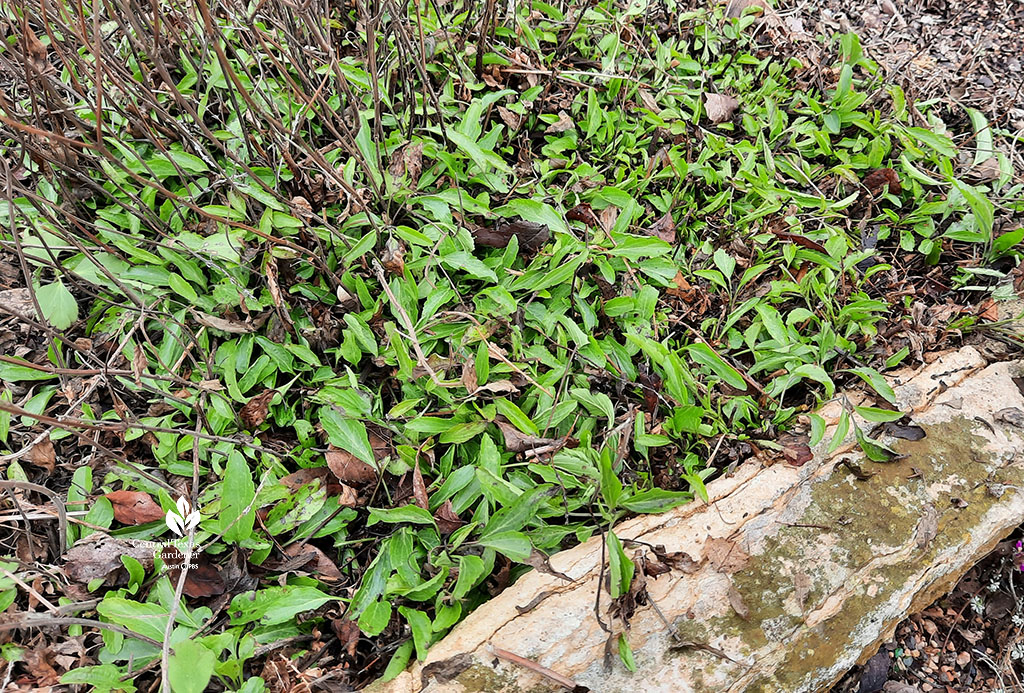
{"x": 144, "y": 618}
{"x": 58, "y": 305}
{"x": 515, "y": 545}
{"x": 877, "y": 382}
{"x": 620, "y": 568}
{"x": 375, "y": 618}
{"x": 462, "y": 261}
{"x": 237, "y": 492}
{"x": 407, "y": 513}
{"x": 398, "y": 661}
{"x": 611, "y": 487}
{"x": 272, "y": 605}
{"x": 347, "y": 434}
{"x": 484, "y": 159}
{"x": 535, "y": 211}
{"x": 516, "y": 417}
{"x": 102, "y": 678}
{"x": 419, "y": 622}
{"x": 876, "y": 415}
{"x": 190, "y": 668}
{"x": 842, "y": 429}
{"x": 471, "y": 570}
{"x": 626, "y": 653}
{"x": 875, "y": 451}
{"x": 13, "y": 373}
{"x": 515, "y": 515}
{"x": 706, "y": 356}
{"x": 655, "y": 500}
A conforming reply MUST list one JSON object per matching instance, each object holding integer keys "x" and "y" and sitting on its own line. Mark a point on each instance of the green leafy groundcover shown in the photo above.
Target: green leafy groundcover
{"x": 420, "y": 298}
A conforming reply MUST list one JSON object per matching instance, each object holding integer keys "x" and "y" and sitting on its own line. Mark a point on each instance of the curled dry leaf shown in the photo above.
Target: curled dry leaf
{"x": 407, "y": 160}
{"x": 202, "y": 580}
{"x": 927, "y": 526}
{"x": 228, "y": 325}
{"x": 664, "y": 228}
{"x": 903, "y": 431}
{"x": 517, "y": 441}
{"x": 563, "y": 124}
{"x": 795, "y": 448}
{"x": 734, "y": 8}
{"x": 43, "y": 455}
{"x": 447, "y": 520}
{"x": 531, "y": 235}
{"x": 312, "y": 559}
{"x": 419, "y": 489}
{"x": 393, "y": 257}
{"x": 512, "y": 120}
{"x": 254, "y": 413}
{"x": 139, "y": 363}
{"x": 680, "y": 560}
{"x": 725, "y": 555}
{"x": 720, "y": 107}
{"x": 134, "y": 507}
{"x": 877, "y": 180}
{"x": 349, "y": 468}
{"x": 584, "y": 214}
{"x": 468, "y": 379}
{"x": 737, "y": 603}
{"x": 99, "y": 556}
{"x": 348, "y": 634}
{"x": 542, "y": 563}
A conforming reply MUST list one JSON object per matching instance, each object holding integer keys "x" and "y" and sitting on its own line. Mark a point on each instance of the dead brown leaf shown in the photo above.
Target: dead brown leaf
{"x": 468, "y": 379}
{"x": 876, "y": 181}
{"x": 531, "y": 235}
{"x": 313, "y": 559}
{"x": 737, "y": 603}
{"x": 43, "y": 455}
{"x": 393, "y": 257}
{"x": 679, "y": 560}
{"x": 725, "y": 555}
{"x": 348, "y": 634}
{"x": 203, "y": 580}
{"x": 99, "y": 556}
{"x": 584, "y": 214}
{"x": 542, "y": 563}
{"x": 229, "y": 325}
{"x": 664, "y": 228}
{"x": 517, "y": 441}
{"x": 795, "y": 448}
{"x": 349, "y": 468}
{"x": 563, "y": 123}
{"x": 139, "y": 364}
{"x": 419, "y": 489}
{"x": 134, "y": 507}
{"x": 408, "y": 160}
{"x": 254, "y": 412}
{"x": 734, "y": 8}
{"x": 512, "y": 120}
{"x": 447, "y": 520}
{"x": 720, "y": 107}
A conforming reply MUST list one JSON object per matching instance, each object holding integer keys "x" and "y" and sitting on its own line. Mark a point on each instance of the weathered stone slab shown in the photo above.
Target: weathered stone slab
{"x": 835, "y": 563}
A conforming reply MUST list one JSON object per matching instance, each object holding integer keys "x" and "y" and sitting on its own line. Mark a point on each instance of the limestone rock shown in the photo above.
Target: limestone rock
{"x": 835, "y": 562}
